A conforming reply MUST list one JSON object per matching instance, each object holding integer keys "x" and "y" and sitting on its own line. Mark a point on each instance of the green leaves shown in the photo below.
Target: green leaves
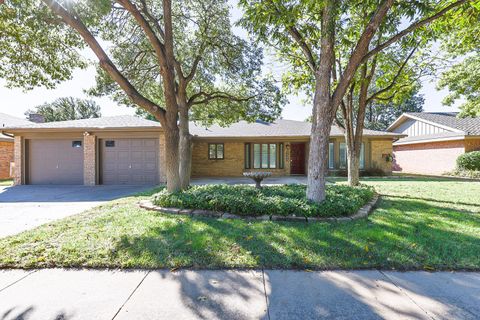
{"x": 36, "y": 48}
{"x": 463, "y": 82}
{"x": 40, "y": 50}
{"x": 469, "y": 161}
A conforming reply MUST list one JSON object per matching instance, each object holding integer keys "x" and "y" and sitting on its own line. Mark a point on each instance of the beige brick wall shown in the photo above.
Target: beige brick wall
{"x": 6, "y": 157}
{"x": 428, "y": 158}
{"x": 89, "y": 160}
{"x": 472, "y": 145}
{"x": 18, "y": 156}
{"x": 378, "y": 151}
{"x": 232, "y": 165}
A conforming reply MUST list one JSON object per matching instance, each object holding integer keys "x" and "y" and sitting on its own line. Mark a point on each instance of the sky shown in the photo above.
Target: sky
{"x": 16, "y": 101}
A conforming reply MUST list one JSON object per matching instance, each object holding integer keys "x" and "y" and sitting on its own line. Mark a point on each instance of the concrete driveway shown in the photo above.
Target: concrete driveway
{"x": 26, "y": 207}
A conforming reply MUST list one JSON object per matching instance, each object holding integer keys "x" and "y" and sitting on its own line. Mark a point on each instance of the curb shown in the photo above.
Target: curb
{"x": 363, "y": 212}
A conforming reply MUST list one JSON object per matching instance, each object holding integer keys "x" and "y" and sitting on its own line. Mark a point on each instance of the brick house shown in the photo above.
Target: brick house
{"x": 130, "y": 150}
{"x": 434, "y": 141}
{"x": 6, "y": 144}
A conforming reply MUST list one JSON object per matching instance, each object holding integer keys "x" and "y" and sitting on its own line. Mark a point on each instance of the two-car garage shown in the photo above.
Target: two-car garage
{"x": 118, "y": 161}
{"x": 117, "y": 150}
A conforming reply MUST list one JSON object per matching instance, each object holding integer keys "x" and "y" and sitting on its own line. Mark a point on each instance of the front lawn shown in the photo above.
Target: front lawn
{"x": 6, "y": 182}
{"x": 420, "y": 223}
{"x": 283, "y": 200}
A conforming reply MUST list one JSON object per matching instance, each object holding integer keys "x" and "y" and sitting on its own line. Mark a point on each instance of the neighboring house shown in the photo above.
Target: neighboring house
{"x": 130, "y": 150}
{"x": 6, "y": 144}
{"x": 434, "y": 142}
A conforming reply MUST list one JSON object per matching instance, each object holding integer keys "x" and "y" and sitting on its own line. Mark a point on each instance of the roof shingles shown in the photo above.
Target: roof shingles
{"x": 469, "y": 125}
{"x": 279, "y": 128}
{"x": 7, "y": 120}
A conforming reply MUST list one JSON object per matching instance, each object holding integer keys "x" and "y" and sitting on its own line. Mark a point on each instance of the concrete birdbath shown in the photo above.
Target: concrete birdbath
{"x": 258, "y": 177}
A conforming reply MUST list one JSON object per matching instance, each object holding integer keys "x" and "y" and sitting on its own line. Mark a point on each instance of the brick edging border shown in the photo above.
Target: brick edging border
{"x": 363, "y": 212}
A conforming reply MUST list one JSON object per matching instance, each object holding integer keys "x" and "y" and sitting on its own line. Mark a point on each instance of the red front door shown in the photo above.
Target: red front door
{"x": 297, "y": 158}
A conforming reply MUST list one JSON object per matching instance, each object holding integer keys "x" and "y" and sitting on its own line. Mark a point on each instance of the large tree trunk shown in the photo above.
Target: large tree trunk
{"x": 318, "y": 155}
{"x": 172, "y": 159}
{"x": 323, "y": 110}
{"x": 353, "y": 164}
{"x": 185, "y": 148}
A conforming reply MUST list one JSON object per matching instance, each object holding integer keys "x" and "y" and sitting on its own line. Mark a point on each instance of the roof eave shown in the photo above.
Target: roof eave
{"x": 405, "y": 115}
{"x": 75, "y": 129}
{"x": 442, "y": 139}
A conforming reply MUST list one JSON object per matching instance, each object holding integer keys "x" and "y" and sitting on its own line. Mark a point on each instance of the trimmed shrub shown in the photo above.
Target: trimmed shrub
{"x": 341, "y": 200}
{"x": 469, "y": 161}
{"x": 473, "y": 174}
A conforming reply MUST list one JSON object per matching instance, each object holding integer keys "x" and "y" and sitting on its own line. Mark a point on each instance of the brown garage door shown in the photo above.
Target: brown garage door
{"x": 130, "y": 161}
{"x": 55, "y": 161}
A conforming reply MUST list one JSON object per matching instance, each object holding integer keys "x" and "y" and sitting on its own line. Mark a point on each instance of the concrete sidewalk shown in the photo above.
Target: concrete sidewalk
{"x": 272, "y": 294}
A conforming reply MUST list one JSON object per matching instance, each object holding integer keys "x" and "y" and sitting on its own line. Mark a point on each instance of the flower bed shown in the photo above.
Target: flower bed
{"x": 286, "y": 200}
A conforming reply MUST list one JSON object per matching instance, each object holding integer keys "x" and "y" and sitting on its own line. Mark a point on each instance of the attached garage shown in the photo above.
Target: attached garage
{"x": 129, "y": 161}
{"x": 55, "y": 161}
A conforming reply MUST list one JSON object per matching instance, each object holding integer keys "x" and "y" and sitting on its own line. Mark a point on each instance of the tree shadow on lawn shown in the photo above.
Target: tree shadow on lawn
{"x": 440, "y": 201}
{"x": 402, "y": 234}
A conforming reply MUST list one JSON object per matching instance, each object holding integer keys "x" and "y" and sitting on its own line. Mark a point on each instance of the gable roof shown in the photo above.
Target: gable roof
{"x": 447, "y": 120}
{"x": 7, "y": 120}
{"x": 278, "y": 128}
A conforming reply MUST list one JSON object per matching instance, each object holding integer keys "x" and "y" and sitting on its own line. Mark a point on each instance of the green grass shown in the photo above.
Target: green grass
{"x": 420, "y": 223}
{"x": 6, "y": 182}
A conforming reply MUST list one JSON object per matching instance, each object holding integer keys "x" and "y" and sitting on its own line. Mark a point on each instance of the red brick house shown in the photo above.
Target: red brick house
{"x": 6, "y": 144}
{"x": 434, "y": 141}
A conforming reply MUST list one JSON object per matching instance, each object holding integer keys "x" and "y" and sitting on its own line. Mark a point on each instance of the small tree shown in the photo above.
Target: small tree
{"x": 389, "y": 77}
{"x": 68, "y": 108}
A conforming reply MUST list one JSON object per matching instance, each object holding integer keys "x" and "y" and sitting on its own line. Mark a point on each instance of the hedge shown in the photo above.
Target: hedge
{"x": 469, "y": 161}
{"x": 244, "y": 200}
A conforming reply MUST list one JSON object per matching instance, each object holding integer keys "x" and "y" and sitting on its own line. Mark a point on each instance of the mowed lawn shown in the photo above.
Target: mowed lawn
{"x": 420, "y": 223}
{"x": 6, "y": 182}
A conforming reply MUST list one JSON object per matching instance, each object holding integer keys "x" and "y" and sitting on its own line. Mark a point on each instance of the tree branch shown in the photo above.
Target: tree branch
{"x": 105, "y": 62}
{"x": 360, "y": 50}
{"x": 411, "y": 28}
{"x": 215, "y": 95}
{"x": 157, "y": 45}
{"x": 152, "y": 19}
{"x": 295, "y": 34}
{"x": 395, "y": 78}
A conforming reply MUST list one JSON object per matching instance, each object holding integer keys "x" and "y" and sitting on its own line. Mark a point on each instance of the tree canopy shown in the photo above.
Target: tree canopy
{"x": 223, "y": 70}
{"x": 326, "y": 42}
{"x": 67, "y": 108}
{"x": 461, "y": 41}
{"x": 379, "y": 115}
